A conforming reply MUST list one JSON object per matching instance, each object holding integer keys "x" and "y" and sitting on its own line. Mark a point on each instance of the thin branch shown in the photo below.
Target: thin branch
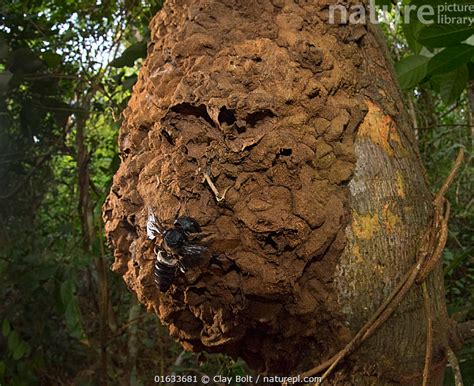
{"x": 219, "y": 197}
{"x": 449, "y": 111}
{"x": 445, "y": 125}
{"x": 25, "y": 180}
{"x": 454, "y": 363}
{"x": 449, "y": 180}
{"x": 429, "y": 334}
{"x": 124, "y": 328}
{"x": 49, "y": 76}
{"x": 466, "y": 330}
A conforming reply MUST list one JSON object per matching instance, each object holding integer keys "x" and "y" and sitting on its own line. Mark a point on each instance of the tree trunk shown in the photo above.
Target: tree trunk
{"x": 286, "y": 138}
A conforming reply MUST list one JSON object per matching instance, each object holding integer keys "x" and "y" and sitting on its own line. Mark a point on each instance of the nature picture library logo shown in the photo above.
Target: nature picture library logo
{"x": 460, "y": 13}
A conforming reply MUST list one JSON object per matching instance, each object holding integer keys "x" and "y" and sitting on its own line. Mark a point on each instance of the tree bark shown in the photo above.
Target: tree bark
{"x": 286, "y": 137}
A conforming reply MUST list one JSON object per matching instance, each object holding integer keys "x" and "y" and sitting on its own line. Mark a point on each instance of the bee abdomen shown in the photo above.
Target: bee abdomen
{"x": 165, "y": 271}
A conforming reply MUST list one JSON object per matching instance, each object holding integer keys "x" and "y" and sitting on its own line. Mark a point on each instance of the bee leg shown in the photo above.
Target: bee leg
{"x": 181, "y": 267}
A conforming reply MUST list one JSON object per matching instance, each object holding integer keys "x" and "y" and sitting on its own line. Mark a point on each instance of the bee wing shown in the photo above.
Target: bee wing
{"x": 192, "y": 250}
{"x": 152, "y": 229}
{"x": 191, "y": 255}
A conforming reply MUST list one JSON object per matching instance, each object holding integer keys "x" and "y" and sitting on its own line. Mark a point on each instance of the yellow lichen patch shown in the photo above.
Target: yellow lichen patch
{"x": 380, "y": 128}
{"x": 390, "y": 219}
{"x": 365, "y": 226}
{"x": 356, "y": 253}
{"x": 400, "y": 185}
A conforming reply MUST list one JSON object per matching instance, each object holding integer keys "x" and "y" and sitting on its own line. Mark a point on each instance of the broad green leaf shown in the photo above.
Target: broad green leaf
{"x": 2, "y": 368}
{"x": 470, "y": 40}
{"x": 132, "y": 53}
{"x": 450, "y": 58}
{"x": 52, "y": 59}
{"x": 67, "y": 291}
{"x": 129, "y": 81}
{"x": 6, "y": 328}
{"x": 443, "y": 35}
{"x": 470, "y": 67}
{"x": 13, "y": 341}
{"x": 73, "y": 320}
{"x": 453, "y": 84}
{"x": 411, "y": 70}
{"x": 411, "y": 30}
{"x": 20, "y": 351}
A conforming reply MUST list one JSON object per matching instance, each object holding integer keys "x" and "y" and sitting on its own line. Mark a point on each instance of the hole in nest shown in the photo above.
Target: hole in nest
{"x": 168, "y": 137}
{"x": 285, "y": 152}
{"x": 241, "y": 130}
{"x": 269, "y": 241}
{"x": 197, "y": 111}
{"x": 226, "y": 116}
{"x": 257, "y": 116}
{"x": 197, "y": 290}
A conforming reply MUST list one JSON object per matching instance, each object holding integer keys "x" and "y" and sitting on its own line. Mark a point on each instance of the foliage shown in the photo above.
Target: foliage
{"x": 439, "y": 53}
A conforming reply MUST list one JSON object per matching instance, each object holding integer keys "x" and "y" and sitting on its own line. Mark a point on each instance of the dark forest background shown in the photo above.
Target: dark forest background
{"x": 67, "y": 68}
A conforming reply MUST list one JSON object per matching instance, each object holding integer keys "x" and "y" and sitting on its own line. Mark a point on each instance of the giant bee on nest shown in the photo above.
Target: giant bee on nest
{"x": 174, "y": 249}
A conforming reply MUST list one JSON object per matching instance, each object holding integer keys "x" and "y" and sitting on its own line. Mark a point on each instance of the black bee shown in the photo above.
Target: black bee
{"x": 175, "y": 249}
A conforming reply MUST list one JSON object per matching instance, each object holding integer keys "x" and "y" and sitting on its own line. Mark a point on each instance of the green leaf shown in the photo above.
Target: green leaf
{"x": 470, "y": 67}
{"x": 450, "y": 58}
{"x": 386, "y": 3}
{"x": 129, "y": 81}
{"x": 132, "y": 53}
{"x": 67, "y": 291}
{"x": 20, "y": 351}
{"x": 453, "y": 84}
{"x": 437, "y": 35}
{"x": 411, "y": 30}
{"x": 6, "y": 328}
{"x": 13, "y": 341}
{"x": 411, "y": 70}
{"x": 52, "y": 59}
{"x": 2, "y": 369}
{"x": 73, "y": 320}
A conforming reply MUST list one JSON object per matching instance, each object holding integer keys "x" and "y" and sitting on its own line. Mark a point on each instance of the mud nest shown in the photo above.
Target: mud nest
{"x": 259, "y": 98}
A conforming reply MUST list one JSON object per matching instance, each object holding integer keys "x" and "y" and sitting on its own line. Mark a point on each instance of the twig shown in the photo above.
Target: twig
{"x": 466, "y": 330}
{"x": 30, "y": 173}
{"x": 441, "y": 237}
{"x": 124, "y": 328}
{"x": 454, "y": 363}
{"x": 449, "y": 180}
{"x": 444, "y": 125}
{"x": 219, "y": 197}
{"x": 429, "y": 334}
